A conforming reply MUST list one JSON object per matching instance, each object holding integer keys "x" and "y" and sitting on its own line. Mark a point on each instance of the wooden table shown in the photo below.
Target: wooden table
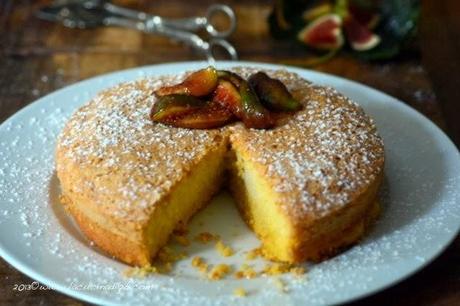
{"x": 37, "y": 57}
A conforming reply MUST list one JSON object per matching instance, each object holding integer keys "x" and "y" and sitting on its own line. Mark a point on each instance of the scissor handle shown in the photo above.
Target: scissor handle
{"x": 214, "y": 10}
{"x": 223, "y": 44}
{"x": 190, "y": 24}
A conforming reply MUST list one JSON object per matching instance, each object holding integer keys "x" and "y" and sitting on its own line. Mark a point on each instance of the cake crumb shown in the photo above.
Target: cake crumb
{"x": 240, "y": 292}
{"x": 219, "y": 271}
{"x": 246, "y": 272}
{"x": 167, "y": 255}
{"x": 206, "y": 237}
{"x": 254, "y": 253}
{"x": 166, "y": 267}
{"x": 196, "y": 261}
{"x": 140, "y": 272}
{"x": 182, "y": 240}
{"x": 181, "y": 230}
{"x": 280, "y": 285}
{"x": 223, "y": 249}
{"x": 63, "y": 200}
{"x": 277, "y": 268}
{"x": 297, "y": 271}
{"x": 199, "y": 263}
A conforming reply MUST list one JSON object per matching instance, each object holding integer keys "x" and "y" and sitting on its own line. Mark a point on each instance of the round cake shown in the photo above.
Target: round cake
{"x": 307, "y": 187}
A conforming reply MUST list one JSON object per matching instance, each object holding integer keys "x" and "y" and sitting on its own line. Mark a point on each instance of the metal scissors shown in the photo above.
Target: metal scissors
{"x": 86, "y": 14}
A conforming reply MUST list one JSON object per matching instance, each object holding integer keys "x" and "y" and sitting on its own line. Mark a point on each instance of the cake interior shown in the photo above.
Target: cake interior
{"x": 257, "y": 202}
{"x": 187, "y": 197}
{"x": 259, "y": 205}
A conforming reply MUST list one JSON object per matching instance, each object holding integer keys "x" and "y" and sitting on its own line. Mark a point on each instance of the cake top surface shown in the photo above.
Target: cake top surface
{"x": 320, "y": 157}
{"x": 323, "y": 156}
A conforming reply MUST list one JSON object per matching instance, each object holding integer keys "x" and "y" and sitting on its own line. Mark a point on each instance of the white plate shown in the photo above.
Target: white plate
{"x": 421, "y": 211}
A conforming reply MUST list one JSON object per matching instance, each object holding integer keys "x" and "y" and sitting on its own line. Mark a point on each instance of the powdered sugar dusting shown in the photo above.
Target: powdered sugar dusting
{"x": 113, "y": 137}
{"x": 323, "y": 156}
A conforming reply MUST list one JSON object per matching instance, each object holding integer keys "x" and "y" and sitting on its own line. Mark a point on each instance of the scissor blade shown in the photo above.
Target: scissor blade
{"x": 73, "y": 16}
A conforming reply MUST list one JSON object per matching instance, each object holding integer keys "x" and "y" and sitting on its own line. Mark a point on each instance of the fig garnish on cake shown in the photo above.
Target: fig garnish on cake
{"x": 199, "y": 83}
{"x": 210, "y": 98}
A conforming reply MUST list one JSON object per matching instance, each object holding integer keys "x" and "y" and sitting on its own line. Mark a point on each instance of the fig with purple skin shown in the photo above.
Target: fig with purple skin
{"x": 198, "y": 84}
{"x": 273, "y": 93}
{"x": 209, "y": 117}
{"x": 359, "y": 36}
{"x": 324, "y": 33}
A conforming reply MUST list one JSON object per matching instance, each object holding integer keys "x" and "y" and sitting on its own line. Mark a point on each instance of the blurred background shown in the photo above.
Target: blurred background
{"x": 408, "y": 49}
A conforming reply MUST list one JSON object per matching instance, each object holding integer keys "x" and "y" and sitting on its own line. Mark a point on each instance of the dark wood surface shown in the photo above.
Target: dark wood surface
{"x": 440, "y": 42}
{"x": 37, "y": 57}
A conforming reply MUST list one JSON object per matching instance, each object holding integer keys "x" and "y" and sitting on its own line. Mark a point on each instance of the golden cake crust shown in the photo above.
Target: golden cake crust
{"x": 115, "y": 165}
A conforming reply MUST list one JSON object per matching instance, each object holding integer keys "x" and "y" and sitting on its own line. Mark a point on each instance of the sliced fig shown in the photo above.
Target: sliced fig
{"x": 208, "y": 117}
{"x": 229, "y": 76}
{"x": 273, "y": 93}
{"x": 227, "y": 95}
{"x": 324, "y": 33}
{"x": 189, "y": 112}
{"x": 175, "y": 105}
{"x": 359, "y": 36}
{"x": 198, "y": 84}
{"x": 250, "y": 111}
{"x": 255, "y": 115}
